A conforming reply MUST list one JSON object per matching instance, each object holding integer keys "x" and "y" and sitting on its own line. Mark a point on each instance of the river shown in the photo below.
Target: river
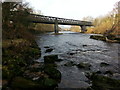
{"x": 78, "y": 47}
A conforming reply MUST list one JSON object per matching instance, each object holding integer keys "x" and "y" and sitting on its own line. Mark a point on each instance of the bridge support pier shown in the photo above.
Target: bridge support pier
{"x": 56, "y": 26}
{"x": 83, "y": 29}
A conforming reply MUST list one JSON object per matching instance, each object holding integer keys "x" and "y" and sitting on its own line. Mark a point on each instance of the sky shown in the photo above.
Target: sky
{"x": 73, "y": 9}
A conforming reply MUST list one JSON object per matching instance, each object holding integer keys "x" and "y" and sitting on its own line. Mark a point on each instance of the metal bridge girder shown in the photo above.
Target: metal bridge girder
{"x": 55, "y": 20}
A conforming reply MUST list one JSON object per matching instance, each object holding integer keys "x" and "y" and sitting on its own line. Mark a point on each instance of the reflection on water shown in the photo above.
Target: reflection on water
{"x": 84, "y": 49}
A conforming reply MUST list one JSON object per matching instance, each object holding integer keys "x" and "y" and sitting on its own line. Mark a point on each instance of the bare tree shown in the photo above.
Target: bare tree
{"x": 115, "y": 16}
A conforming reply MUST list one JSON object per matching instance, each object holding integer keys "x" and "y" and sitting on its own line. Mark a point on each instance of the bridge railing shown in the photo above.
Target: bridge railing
{"x": 52, "y": 20}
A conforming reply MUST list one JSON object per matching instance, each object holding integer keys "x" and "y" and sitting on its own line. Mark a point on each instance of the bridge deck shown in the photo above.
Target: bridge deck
{"x": 52, "y": 20}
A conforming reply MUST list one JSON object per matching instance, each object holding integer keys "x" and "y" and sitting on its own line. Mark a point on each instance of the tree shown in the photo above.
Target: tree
{"x": 15, "y": 13}
{"x": 115, "y": 18}
{"x": 15, "y": 19}
{"x": 108, "y": 24}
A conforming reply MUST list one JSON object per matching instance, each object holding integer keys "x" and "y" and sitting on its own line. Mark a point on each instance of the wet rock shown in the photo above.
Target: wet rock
{"x": 71, "y": 53}
{"x": 49, "y": 50}
{"x": 71, "y": 63}
{"x": 51, "y": 65}
{"x": 88, "y": 74}
{"x": 53, "y": 72}
{"x": 98, "y": 72}
{"x": 104, "y": 83}
{"x": 46, "y": 47}
{"x": 84, "y": 45}
{"x": 84, "y": 65}
{"x": 109, "y": 72}
{"x": 103, "y": 64}
{"x": 50, "y": 59}
{"x": 98, "y": 37}
{"x": 58, "y": 60}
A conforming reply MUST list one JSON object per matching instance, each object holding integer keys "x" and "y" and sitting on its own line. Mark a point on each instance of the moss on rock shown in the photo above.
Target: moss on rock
{"x": 53, "y": 72}
{"x": 104, "y": 83}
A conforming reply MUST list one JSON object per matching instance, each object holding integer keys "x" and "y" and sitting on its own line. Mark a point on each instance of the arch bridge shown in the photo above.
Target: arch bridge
{"x": 56, "y": 20}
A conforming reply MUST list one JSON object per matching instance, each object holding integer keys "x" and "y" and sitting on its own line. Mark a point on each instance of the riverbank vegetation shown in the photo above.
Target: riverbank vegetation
{"x": 40, "y": 27}
{"x": 75, "y": 28}
{"x": 18, "y": 46}
{"x": 107, "y": 25}
{"x": 19, "y": 50}
{"x": 44, "y": 27}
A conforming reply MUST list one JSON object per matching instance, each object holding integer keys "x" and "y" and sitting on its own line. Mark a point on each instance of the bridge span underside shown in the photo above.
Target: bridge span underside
{"x": 56, "y": 20}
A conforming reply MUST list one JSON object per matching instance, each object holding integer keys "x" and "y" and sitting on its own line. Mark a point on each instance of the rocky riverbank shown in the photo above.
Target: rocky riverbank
{"x": 21, "y": 72}
{"x": 110, "y": 38}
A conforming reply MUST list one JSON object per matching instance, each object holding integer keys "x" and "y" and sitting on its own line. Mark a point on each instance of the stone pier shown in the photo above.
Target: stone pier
{"x": 56, "y": 26}
{"x": 83, "y": 28}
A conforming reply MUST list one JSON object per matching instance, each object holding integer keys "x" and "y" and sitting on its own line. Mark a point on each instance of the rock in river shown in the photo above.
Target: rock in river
{"x": 46, "y": 47}
{"x": 48, "y": 50}
{"x": 71, "y": 63}
{"x": 53, "y": 72}
{"x": 103, "y": 64}
{"x": 50, "y": 59}
{"x": 84, "y": 65}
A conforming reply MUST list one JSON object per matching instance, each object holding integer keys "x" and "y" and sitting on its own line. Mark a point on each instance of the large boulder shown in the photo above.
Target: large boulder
{"x": 50, "y": 59}
{"x": 53, "y": 72}
{"x": 100, "y": 82}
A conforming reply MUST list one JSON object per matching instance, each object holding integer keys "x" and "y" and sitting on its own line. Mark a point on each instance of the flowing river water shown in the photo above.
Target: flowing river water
{"x": 78, "y": 47}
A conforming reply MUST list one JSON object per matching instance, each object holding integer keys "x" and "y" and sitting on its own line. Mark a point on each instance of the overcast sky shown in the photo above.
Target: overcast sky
{"x": 73, "y": 9}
